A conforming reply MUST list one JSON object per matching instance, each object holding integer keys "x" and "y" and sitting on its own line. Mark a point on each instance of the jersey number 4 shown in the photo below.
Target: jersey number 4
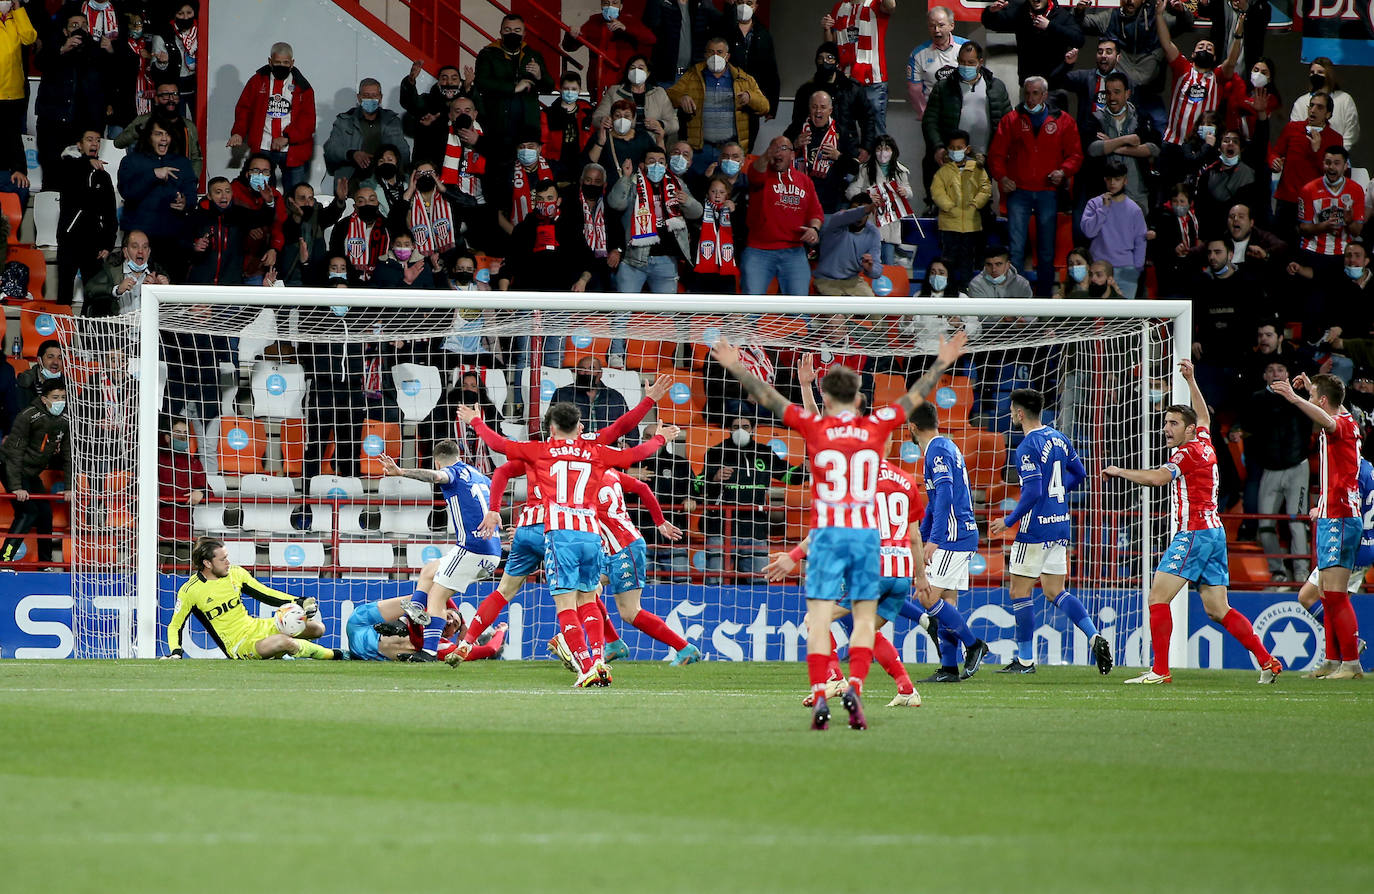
{"x": 841, "y": 478}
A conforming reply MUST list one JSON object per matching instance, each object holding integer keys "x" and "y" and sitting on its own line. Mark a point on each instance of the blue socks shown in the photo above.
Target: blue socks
{"x": 912, "y": 611}
{"x": 951, "y": 620}
{"x": 433, "y": 630}
{"x": 1025, "y": 630}
{"x": 1317, "y": 610}
{"x": 949, "y": 648}
{"x": 1069, "y": 605}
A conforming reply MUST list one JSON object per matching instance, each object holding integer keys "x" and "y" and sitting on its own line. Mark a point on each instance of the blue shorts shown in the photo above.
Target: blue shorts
{"x": 893, "y": 593}
{"x": 526, "y": 551}
{"x": 1338, "y": 540}
{"x": 626, "y": 570}
{"x": 362, "y": 639}
{"x": 843, "y": 561}
{"x": 572, "y": 561}
{"x": 1200, "y": 557}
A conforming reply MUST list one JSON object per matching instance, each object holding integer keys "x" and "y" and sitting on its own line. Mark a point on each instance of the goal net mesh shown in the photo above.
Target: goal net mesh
{"x": 272, "y": 420}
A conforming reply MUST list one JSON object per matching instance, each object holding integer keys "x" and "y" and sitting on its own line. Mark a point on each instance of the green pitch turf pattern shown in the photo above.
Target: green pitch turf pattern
{"x": 303, "y": 776}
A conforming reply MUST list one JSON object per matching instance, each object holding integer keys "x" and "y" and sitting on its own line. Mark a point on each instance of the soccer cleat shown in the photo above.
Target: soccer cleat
{"x": 1150, "y": 677}
{"x": 558, "y": 648}
{"x": 1327, "y": 667}
{"x": 415, "y": 613}
{"x": 1269, "y": 673}
{"x": 973, "y": 658}
{"x": 911, "y": 700}
{"x": 944, "y": 675}
{"x": 615, "y": 651}
{"x": 820, "y": 714}
{"x": 833, "y": 689}
{"x": 420, "y": 657}
{"x": 603, "y": 673}
{"x": 688, "y": 654}
{"x": 459, "y": 654}
{"x": 855, "y": 707}
{"x": 1349, "y": 670}
{"x": 588, "y": 678}
{"x": 1360, "y": 645}
{"x": 1102, "y": 654}
{"x": 1017, "y": 667}
{"x": 341, "y": 655}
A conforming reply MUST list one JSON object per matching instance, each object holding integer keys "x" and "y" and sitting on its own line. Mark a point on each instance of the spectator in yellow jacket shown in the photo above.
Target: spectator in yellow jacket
{"x": 16, "y": 32}
{"x": 961, "y": 189}
{"x": 720, "y": 100}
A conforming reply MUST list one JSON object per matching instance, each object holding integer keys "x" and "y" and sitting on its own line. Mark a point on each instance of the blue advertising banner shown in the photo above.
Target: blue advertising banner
{"x": 1341, "y": 30}
{"x": 762, "y": 623}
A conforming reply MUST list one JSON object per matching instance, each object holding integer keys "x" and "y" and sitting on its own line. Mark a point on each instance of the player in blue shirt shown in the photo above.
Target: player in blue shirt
{"x": 472, "y": 558}
{"x": 1310, "y": 596}
{"x": 1049, "y": 468}
{"x": 950, "y": 535}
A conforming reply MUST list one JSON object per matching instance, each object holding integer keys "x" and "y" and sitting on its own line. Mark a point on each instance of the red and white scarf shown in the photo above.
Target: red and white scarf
{"x": 813, "y": 160}
{"x": 545, "y": 232}
{"x": 857, "y": 34}
{"x": 522, "y": 188}
{"x": 432, "y": 224}
{"x": 464, "y": 169}
{"x": 889, "y": 203}
{"x": 143, "y": 85}
{"x": 653, "y": 208}
{"x": 102, "y": 22}
{"x": 594, "y": 225}
{"x": 716, "y": 250}
{"x": 190, "y": 45}
{"x": 279, "y": 102}
{"x": 362, "y": 248}
{"x": 755, "y": 359}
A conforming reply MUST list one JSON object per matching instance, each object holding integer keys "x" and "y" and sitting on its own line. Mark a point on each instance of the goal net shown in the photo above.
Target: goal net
{"x": 259, "y": 417}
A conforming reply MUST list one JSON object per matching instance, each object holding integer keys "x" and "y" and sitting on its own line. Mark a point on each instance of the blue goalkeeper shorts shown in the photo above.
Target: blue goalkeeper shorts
{"x": 626, "y": 570}
{"x": 893, "y": 593}
{"x": 362, "y": 639}
{"x": 526, "y": 551}
{"x": 843, "y": 561}
{"x": 1338, "y": 539}
{"x": 1200, "y": 557}
{"x": 572, "y": 561}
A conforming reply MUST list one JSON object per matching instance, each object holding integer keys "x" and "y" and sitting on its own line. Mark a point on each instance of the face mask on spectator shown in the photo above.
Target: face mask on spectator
{"x": 968, "y": 72}
{"x": 5, "y": 7}
{"x": 1318, "y": 81}
{"x": 403, "y": 254}
{"x": 716, "y": 64}
{"x": 655, "y": 171}
{"x": 257, "y": 181}
{"x": 1230, "y": 160}
{"x": 937, "y": 281}
{"x": 679, "y": 164}
{"x": 729, "y": 167}
{"x": 368, "y": 213}
{"x": 744, "y": 12}
{"x": 1259, "y": 79}
{"x": 586, "y": 379}
{"x": 425, "y": 182}
{"x": 610, "y": 13}
{"x": 592, "y": 192}
{"x": 1180, "y": 210}
{"x": 1036, "y": 109}
{"x": 463, "y": 277}
{"x": 471, "y": 398}
{"x": 1078, "y": 272}
{"x": 1206, "y": 130}
{"x": 281, "y": 72}
{"x": 1156, "y": 395}
{"x": 741, "y": 437}
{"x": 462, "y": 122}
{"x": 56, "y": 407}
{"x": 136, "y": 267}
{"x": 1097, "y": 290}
{"x": 1205, "y": 60}
{"x": 386, "y": 170}
{"x": 134, "y": 33}
{"x": 339, "y": 309}
{"x": 369, "y": 106}
{"x": 48, "y": 374}
{"x": 996, "y": 280}
{"x": 338, "y": 274}
{"x": 825, "y": 68}
{"x": 548, "y": 209}
{"x": 512, "y": 41}
{"x": 958, "y": 155}
{"x": 181, "y": 445}
{"x": 1354, "y": 272}
{"x": 307, "y": 212}
{"x": 183, "y": 23}
{"x": 637, "y": 76}
{"x": 448, "y": 92}
{"x": 884, "y": 156}
{"x": 622, "y": 125}
{"x": 570, "y": 95}
{"x": 527, "y": 157}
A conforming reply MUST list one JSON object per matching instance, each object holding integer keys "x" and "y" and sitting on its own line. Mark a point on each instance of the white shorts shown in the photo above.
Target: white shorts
{"x": 948, "y": 570}
{"x": 1034, "y": 559}
{"x": 460, "y": 569}
{"x": 1356, "y": 580}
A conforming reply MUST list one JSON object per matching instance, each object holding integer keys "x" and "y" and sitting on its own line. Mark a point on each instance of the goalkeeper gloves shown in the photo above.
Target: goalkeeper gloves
{"x": 311, "y": 606}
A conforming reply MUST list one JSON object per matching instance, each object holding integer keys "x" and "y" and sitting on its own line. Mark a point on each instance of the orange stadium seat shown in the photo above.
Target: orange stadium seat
{"x": 10, "y": 207}
{"x": 38, "y": 267}
{"x": 242, "y": 443}
{"x": 683, "y": 403}
{"x": 959, "y": 390}
{"x": 40, "y": 321}
{"x": 996, "y": 565}
{"x": 901, "y": 280}
{"x": 649, "y": 356}
{"x": 293, "y": 450}
{"x": 887, "y": 387}
{"x": 378, "y": 438}
{"x": 794, "y": 443}
{"x": 698, "y": 441}
{"x": 985, "y": 455}
{"x": 572, "y": 354}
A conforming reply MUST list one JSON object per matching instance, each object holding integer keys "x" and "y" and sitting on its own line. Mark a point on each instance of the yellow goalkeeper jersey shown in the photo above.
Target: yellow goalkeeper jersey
{"x": 218, "y": 605}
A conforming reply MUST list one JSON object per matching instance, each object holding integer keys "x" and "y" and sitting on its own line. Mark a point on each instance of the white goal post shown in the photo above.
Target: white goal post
{"x": 1153, "y": 333}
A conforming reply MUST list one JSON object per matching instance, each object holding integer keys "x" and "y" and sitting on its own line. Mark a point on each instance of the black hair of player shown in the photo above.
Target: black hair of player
{"x": 447, "y": 449}
{"x": 1029, "y": 400}
{"x": 564, "y": 417}
{"x": 204, "y": 551}
{"x": 840, "y": 384}
{"x": 925, "y": 418}
{"x": 1330, "y": 387}
{"x": 1184, "y": 412}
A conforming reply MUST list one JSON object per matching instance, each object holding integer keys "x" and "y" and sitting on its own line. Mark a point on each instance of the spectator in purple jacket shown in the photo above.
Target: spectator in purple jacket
{"x": 1116, "y": 226}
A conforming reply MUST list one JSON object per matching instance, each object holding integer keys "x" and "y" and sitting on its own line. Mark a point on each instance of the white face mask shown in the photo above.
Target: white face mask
{"x": 637, "y": 76}
{"x": 1259, "y": 79}
{"x": 744, "y": 12}
{"x": 884, "y": 156}
{"x": 716, "y": 64}
{"x": 741, "y": 437}
{"x": 622, "y": 125}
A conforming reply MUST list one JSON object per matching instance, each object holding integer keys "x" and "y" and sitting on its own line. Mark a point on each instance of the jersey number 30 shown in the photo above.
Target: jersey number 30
{"x": 841, "y": 478}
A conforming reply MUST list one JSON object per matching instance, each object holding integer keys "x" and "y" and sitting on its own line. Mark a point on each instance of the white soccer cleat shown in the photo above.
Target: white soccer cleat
{"x": 1327, "y": 667}
{"x": 910, "y": 700}
{"x": 558, "y": 648}
{"x": 1348, "y": 670}
{"x": 1150, "y": 677}
{"x": 833, "y": 689}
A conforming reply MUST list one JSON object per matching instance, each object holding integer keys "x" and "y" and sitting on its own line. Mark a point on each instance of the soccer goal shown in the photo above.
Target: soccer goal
{"x": 257, "y": 416}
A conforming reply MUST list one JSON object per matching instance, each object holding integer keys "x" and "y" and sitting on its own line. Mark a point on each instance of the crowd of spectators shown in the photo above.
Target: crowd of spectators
{"x": 1146, "y": 161}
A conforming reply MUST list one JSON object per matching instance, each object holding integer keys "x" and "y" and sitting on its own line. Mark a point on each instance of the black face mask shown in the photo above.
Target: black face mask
{"x": 471, "y": 398}
{"x": 587, "y": 380}
{"x": 386, "y": 170}
{"x": 512, "y": 41}
{"x": 424, "y": 182}
{"x": 463, "y": 277}
{"x": 591, "y": 193}
{"x": 1360, "y": 399}
{"x": 281, "y": 72}
{"x": 1205, "y": 60}
{"x": 368, "y": 213}
{"x": 1097, "y": 291}
{"x": 448, "y": 92}
{"x": 825, "y": 69}
{"x": 183, "y": 24}
{"x": 1318, "y": 81}
{"x": 307, "y": 212}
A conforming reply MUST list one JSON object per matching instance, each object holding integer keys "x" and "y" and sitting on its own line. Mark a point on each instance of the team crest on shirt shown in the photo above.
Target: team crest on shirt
{"x": 1197, "y": 92}
{"x": 1291, "y": 635}
{"x": 278, "y": 106}
{"x": 1051, "y": 126}
{"x": 707, "y": 249}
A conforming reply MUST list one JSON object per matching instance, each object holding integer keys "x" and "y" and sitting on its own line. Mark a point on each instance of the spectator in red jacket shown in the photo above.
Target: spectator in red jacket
{"x": 275, "y": 115}
{"x": 262, "y": 213}
{"x": 1297, "y": 157}
{"x": 618, "y": 34}
{"x": 181, "y": 485}
{"x": 784, "y": 219}
{"x": 1034, "y": 154}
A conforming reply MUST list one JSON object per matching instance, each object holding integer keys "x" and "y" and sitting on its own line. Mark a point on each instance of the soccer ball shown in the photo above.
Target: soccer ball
{"x": 290, "y": 619}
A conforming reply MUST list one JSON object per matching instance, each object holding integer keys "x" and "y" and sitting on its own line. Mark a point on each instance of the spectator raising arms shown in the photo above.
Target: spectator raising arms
{"x": 859, "y": 29}
{"x": 784, "y": 219}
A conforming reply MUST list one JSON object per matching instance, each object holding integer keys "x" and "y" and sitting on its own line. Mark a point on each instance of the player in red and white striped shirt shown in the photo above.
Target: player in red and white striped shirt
{"x": 1331, "y": 207}
{"x": 1338, "y": 513}
{"x": 1198, "y": 82}
{"x": 1197, "y": 552}
{"x": 568, "y": 471}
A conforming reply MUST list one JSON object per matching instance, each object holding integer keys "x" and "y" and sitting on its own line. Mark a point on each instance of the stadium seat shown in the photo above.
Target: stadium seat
{"x": 208, "y": 518}
{"x": 18, "y": 364}
{"x": 272, "y": 517}
{"x": 954, "y": 397}
{"x": 14, "y": 212}
{"x": 887, "y": 387}
{"x": 292, "y": 435}
{"x": 994, "y": 570}
{"x": 40, "y": 321}
{"x": 405, "y": 519}
{"x": 985, "y": 455}
{"x": 550, "y": 380}
{"x": 242, "y": 443}
{"x": 781, "y": 325}
{"x": 900, "y": 278}
{"x": 278, "y": 390}
{"x": 699, "y": 440}
{"x": 649, "y": 356}
{"x": 418, "y": 389}
{"x": 793, "y": 445}
{"x": 296, "y": 559}
{"x": 378, "y": 438}
{"x": 683, "y": 403}
{"x": 577, "y": 348}
{"x": 417, "y": 554}
{"x": 242, "y": 552}
{"x": 336, "y": 489}
{"x": 37, "y": 264}
{"x": 354, "y": 554}
{"x": 45, "y": 215}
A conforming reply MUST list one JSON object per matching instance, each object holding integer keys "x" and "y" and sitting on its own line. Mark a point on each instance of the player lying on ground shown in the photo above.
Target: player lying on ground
{"x": 527, "y": 547}
{"x": 472, "y": 557}
{"x": 568, "y": 471}
{"x": 1049, "y": 468}
{"x": 214, "y": 595}
{"x": 1310, "y": 596}
{"x": 394, "y": 629}
{"x": 1338, "y": 513}
{"x": 1197, "y": 552}
{"x": 843, "y": 449}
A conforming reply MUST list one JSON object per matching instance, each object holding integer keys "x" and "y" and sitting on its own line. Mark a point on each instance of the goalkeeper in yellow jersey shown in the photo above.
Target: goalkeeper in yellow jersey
{"x": 214, "y": 594}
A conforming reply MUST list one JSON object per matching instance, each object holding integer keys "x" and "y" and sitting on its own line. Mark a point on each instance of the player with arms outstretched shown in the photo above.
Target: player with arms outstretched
{"x": 1049, "y": 469}
{"x": 1197, "y": 552}
{"x": 844, "y": 450}
{"x": 214, "y": 594}
{"x": 1338, "y": 513}
{"x": 1310, "y": 596}
{"x": 568, "y": 471}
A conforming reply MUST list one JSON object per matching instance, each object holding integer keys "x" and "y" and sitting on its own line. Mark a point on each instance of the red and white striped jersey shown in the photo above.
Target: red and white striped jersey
{"x": 568, "y": 473}
{"x": 1340, "y": 469}
{"x": 1193, "y": 493}
{"x": 861, "y": 33}
{"x": 1195, "y": 92}
{"x": 279, "y": 103}
{"x": 1318, "y": 203}
{"x": 532, "y": 513}
{"x": 846, "y": 452}
{"x": 899, "y": 507}
{"x": 618, "y": 530}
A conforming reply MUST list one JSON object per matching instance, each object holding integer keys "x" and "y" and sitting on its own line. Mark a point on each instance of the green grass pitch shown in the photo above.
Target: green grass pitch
{"x": 303, "y": 776}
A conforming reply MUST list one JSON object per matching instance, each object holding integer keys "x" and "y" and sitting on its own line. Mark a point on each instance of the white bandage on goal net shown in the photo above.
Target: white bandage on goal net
{"x": 290, "y": 397}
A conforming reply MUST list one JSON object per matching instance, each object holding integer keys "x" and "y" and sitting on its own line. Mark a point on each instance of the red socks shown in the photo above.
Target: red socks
{"x": 1333, "y": 651}
{"x": 833, "y": 671}
{"x": 817, "y": 666}
{"x": 860, "y": 660}
{"x": 1161, "y": 629}
{"x": 487, "y": 613}
{"x": 886, "y": 653}
{"x": 590, "y": 615}
{"x": 1239, "y": 626}
{"x": 489, "y": 650}
{"x": 652, "y": 624}
{"x": 571, "y": 629}
{"x": 1340, "y": 616}
{"x": 608, "y": 629}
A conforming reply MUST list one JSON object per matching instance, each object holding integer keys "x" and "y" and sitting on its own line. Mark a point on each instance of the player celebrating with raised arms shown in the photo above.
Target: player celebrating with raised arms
{"x": 1049, "y": 469}
{"x": 214, "y": 594}
{"x": 1338, "y": 512}
{"x": 844, "y": 450}
{"x": 1197, "y": 552}
{"x": 568, "y": 471}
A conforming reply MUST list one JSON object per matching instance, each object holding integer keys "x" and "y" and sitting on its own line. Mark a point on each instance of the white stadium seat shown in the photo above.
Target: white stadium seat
{"x": 354, "y": 554}
{"x": 417, "y": 554}
{"x": 274, "y": 518}
{"x": 242, "y": 552}
{"x": 45, "y": 214}
{"x": 418, "y": 389}
{"x": 405, "y": 519}
{"x": 278, "y": 390}
{"x": 303, "y": 556}
{"x": 336, "y": 488}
